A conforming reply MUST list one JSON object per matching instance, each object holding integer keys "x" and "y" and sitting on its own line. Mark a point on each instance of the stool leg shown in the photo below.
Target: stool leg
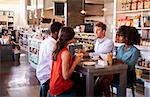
{"x": 112, "y": 91}
{"x": 133, "y": 91}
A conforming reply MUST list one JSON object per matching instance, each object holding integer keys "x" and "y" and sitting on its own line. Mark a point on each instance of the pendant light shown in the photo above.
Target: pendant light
{"x": 83, "y": 7}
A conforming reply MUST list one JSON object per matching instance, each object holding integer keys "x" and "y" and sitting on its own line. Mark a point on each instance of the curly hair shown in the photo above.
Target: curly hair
{"x": 130, "y": 33}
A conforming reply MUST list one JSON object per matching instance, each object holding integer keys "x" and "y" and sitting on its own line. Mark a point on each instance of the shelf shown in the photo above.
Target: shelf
{"x": 88, "y": 38}
{"x": 140, "y": 28}
{"x": 141, "y": 67}
{"x": 35, "y": 39}
{"x": 35, "y": 55}
{"x": 33, "y": 65}
{"x": 143, "y": 28}
{"x": 133, "y": 11}
{"x": 144, "y": 80}
{"x": 35, "y": 47}
{"x": 142, "y": 48}
{"x": 24, "y": 49}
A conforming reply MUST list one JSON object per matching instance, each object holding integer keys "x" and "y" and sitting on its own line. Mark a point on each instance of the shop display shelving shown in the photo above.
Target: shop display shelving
{"x": 139, "y": 18}
{"x": 24, "y": 39}
{"x": 7, "y": 19}
{"x": 132, "y": 11}
{"x": 33, "y": 54}
{"x": 86, "y": 39}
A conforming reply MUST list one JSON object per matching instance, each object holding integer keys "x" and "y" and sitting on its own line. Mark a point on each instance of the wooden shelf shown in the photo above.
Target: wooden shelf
{"x": 141, "y": 67}
{"x": 143, "y": 28}
{"x": 140, "y": 28}
{"x": 133, "y": 11}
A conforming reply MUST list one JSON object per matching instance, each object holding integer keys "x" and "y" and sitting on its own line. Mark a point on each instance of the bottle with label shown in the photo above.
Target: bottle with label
{"x": 110, "y": 58}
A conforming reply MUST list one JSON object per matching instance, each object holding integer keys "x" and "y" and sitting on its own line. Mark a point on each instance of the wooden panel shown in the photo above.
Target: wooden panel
{"x": 74, "y": 17}
{"x": 94, "y": 9}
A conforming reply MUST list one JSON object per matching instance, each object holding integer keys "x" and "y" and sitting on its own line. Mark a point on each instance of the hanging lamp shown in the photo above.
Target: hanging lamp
{"x": 83, "y": 8}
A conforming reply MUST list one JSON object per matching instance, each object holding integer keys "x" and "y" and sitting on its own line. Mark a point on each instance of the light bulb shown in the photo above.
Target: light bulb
{"x": 104, "y": 9}
{"x": 83, "y": 12}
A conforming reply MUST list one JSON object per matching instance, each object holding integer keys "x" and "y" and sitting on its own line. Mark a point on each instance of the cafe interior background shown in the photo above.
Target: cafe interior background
{"x": 27, "y": 22}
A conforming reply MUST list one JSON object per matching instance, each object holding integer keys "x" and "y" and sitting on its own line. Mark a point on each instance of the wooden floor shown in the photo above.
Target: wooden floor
{"x": 19, "y": 80}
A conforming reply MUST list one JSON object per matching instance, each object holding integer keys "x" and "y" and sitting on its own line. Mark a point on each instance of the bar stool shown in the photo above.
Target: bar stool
{"x": 131, "y": 82}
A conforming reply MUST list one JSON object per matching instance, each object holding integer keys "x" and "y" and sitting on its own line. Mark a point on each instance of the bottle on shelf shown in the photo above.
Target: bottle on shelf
{"x": 146, "y": 4}
{"x": 140, "y": 4}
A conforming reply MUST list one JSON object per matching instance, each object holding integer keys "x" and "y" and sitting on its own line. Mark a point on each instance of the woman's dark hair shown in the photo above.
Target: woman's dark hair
{"x": 133, "y": 37}
{"x": 67, "y": 33}
{"x": 130, "y": 33}
{"x": 122, "y": 30}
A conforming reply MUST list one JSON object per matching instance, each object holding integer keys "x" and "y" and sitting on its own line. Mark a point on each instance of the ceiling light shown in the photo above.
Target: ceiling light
{"x": 104, "y": 9}
{"x": 83, "y": 12}
{"x": 83, "y": 7}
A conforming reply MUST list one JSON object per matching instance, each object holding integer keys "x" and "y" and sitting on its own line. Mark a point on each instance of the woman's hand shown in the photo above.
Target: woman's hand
{"x": 86, "y": 54}
{"x": 78, "y": 58}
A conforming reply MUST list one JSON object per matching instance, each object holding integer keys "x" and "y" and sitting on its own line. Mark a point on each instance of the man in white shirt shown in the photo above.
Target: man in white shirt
{"x": 47, "y": 47}
{"x": 103, "y": 45}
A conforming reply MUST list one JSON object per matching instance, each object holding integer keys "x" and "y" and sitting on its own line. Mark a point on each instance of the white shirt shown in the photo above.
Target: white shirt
{"x": 45, "y": 59}
{"x": 102, "y": 47}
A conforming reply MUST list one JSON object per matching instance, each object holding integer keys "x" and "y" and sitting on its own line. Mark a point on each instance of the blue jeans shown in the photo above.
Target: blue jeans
{"x": 44, "y": 89}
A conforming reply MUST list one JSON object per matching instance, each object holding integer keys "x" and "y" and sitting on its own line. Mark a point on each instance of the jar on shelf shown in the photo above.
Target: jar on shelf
{"x": 136, "y": 21}
{"x": 133, "y": 5}
{"x": 140, "y": 4}
{"x": 149, "y": 3}
{"x": 134, "y": 0}
{"x": 123, "y": 1}
{"x": 123, "y": 6}
{"x": 128, "y": 1}
{"x": 128, "y": 6}
{"x": 146, "y": 4}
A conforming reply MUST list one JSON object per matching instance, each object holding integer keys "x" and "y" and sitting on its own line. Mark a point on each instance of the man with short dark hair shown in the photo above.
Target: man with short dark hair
{"x": 103, "y": 45}
{"x": 45, "y": 58}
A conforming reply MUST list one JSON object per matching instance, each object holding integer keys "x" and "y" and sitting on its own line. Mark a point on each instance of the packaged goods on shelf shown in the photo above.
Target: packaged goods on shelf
{"x": 146, "y": 20}
{"x": 128, "y": 6}
{"x": 140, "y": 86}
{"x": 123, "y": 1}
{"x": 140, "y": 4}
{"x": 136, "y": 21}
{"x": 134, "y": 6}
{"x": 130, "y": 21}
{"x": 123, "y": 6}
{"x": 146, "y": 4}
{"x": 134, "y": 0}
{"x": 128, "y": 1}
{"x": 86, "y": 39}
{"x": 34, "y": 45}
